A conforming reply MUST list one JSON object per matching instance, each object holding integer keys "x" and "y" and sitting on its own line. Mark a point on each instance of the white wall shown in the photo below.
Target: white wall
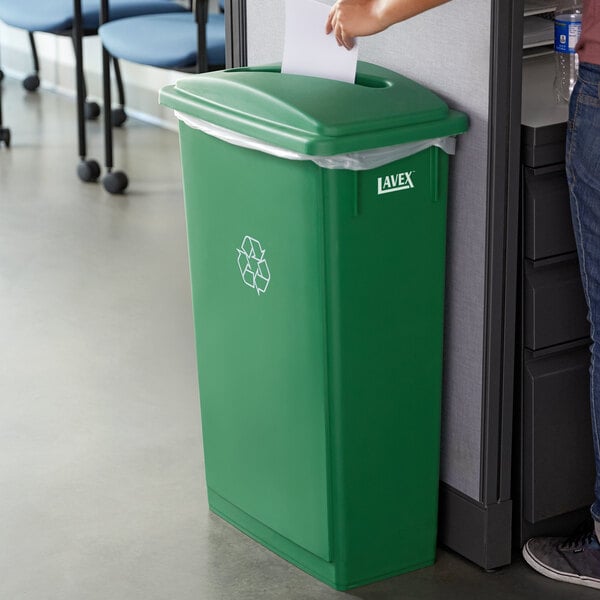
{"x": 448, "y": 50}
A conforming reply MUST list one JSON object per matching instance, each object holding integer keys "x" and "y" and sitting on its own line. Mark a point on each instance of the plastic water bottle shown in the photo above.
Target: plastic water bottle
{"x": 567, "y": 30}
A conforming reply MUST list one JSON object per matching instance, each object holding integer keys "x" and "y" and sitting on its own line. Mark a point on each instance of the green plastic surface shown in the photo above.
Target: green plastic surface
{"x": 320, "y": 349}
{"x": 316, "y": 116}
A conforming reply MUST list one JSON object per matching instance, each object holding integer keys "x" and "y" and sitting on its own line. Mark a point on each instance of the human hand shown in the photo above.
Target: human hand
{"x": 351, "y": 18}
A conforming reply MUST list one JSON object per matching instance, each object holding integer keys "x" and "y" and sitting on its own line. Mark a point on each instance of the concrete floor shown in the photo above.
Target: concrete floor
{"x": 101, "y": 475}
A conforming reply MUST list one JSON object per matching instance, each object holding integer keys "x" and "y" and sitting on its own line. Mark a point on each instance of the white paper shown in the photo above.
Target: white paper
{"x": 308, "y": 51}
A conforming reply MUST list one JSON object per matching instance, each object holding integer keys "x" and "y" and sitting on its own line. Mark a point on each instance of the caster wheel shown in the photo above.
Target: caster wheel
{"x": 119, "y": 116}
{"x": 5, "y": 136}
{"x": 88, "y": 170}
{"x": 31, "y": 83}
{"x": 115, "y": 182}
{"x": 91, "y": 111}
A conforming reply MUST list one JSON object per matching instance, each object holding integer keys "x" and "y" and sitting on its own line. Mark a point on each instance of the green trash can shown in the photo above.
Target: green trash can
{"x": 316, "y": 216}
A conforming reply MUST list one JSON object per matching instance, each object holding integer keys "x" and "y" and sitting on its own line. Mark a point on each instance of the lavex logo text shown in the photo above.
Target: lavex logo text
{"x": 395, "y": 183}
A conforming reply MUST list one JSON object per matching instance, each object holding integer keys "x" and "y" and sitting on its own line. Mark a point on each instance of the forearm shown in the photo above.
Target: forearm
{"x": 394, "y": 11}
{"x": 349, "y": 19}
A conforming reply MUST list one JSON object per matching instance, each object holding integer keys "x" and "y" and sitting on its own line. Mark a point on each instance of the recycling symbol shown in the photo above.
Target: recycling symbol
{"x": 253, "y": 266}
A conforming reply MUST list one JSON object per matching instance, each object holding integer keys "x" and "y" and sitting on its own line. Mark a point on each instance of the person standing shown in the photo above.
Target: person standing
{"x": 576, "y": 559}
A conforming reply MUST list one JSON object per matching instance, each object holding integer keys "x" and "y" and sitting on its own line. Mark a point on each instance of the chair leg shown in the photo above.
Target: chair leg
{"x": 4, "y": 131}
{"x": 32, "y": 82}
{"x": 119, "y": 116}
{"x": 201, "y": 16}
{"x": 114, "y": 182}
{"x": 87, "y": 170}
{"x": 91, "y": 109}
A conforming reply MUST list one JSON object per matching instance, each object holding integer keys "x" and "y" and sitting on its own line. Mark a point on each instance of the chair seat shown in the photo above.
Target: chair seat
{"x": 164, "y": 41}
{"x": 57, "y": 15}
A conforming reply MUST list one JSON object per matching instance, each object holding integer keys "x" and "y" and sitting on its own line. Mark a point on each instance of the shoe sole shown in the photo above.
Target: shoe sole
{"x": 543, "y": 569}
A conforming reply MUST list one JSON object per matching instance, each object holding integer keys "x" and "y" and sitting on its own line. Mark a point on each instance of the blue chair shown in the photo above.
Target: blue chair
{"x": 75, "y": 18}
{"x": 56, "y": 16}
{"x": 191, "y": 42}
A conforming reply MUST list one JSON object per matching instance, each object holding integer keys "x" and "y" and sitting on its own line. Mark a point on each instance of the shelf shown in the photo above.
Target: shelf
{"x": 537, "y": 31}
{"x": 539, "y": 107}
{"x": 538, "y": 7}
{"x": 546, "y": 43}
{"x": 535, "y": 51}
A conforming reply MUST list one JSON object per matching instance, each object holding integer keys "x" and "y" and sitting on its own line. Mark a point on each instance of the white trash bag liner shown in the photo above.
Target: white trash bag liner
{"x": 352, "y": 161}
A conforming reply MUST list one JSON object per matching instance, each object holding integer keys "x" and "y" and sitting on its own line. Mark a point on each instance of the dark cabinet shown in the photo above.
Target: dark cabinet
{"x": 555, "y": 311}
{"x": 557, "y": 439}
{"x": 547, "y": 214}
{"x": 554, "y": 457}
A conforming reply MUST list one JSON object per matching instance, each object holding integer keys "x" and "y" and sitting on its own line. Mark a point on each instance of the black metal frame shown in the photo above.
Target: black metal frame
{"x": 236, "y": 40}
{"x": 4, "y": 131}
{"x": 200, "y": 8}
{"x": 108, "y": 145}
{"x": 34, "y": 53}
{"x": 502, "y": 254}
{"x": 78, "y": 33}
{"x": 485, "y": 531}
{"x": 78, "y": 44}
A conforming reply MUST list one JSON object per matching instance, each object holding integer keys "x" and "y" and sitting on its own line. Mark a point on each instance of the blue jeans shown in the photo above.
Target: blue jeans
{"x": 583, "y": 174}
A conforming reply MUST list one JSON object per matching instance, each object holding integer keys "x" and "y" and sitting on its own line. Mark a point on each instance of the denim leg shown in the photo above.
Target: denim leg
{"x": 583, "y": 174}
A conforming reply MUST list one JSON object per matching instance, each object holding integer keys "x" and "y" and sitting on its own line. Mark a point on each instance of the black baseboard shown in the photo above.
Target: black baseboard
{"x": 478, "y": 532}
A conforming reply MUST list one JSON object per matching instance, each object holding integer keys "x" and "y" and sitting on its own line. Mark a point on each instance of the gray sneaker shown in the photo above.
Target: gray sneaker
{"x": 574, "y": 560}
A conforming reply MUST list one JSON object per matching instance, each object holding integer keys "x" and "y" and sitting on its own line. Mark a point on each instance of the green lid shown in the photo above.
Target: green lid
{"x": 316, "y": 116}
